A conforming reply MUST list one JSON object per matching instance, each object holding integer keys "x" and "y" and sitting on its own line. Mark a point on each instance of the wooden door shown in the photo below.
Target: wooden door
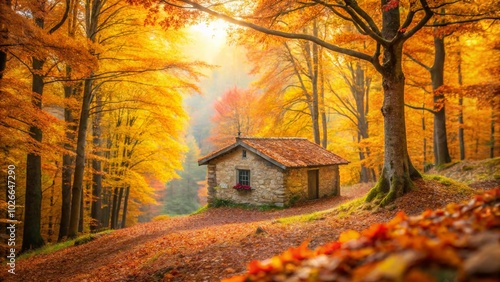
{"x": 313, "y": 184}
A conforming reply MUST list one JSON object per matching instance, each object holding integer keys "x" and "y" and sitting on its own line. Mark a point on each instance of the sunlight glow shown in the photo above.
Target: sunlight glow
{"x": 215, "y": 30}
{"x": 208, "y": 39}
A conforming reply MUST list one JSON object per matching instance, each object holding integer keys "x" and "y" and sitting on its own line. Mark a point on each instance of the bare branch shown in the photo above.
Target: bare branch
{"x": 289, "y": 35}
{"x": 63, "y": 19}
{"x": 417, "y": 62}
{"x": 420, "y": 108}
{"x": 428, "y": 15}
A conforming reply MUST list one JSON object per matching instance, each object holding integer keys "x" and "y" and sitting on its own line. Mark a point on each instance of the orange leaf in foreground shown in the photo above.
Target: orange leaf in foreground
{"x": 299, "y": 253}
{"x": 256, "y": 266}
{"x": 348, "y": 236}
{"x": 393, "y": 267}
{"x": 376, "y": 231}
{"x": 329, "y": 248}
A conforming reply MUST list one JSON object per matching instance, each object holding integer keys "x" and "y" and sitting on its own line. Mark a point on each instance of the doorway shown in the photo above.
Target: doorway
{"x": 313, "y": 184}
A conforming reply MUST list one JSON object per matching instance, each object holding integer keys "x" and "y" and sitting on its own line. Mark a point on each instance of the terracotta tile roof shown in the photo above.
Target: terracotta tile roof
{"x": 283, "y": 152}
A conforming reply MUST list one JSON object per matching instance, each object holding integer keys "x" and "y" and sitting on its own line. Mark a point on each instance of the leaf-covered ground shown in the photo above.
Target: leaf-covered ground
{"x": 219, "y": 243}
{"x": 460, "y": 242}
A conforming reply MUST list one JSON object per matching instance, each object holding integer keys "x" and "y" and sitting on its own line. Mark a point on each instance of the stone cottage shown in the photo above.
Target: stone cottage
{"x": 272, "y": 171}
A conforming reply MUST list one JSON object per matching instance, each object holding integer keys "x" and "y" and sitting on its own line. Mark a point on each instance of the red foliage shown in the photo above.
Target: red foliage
{"x": 391, "y": 4}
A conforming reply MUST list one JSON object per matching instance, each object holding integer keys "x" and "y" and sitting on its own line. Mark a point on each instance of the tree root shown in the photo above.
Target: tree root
{"x": 387, "y": 191}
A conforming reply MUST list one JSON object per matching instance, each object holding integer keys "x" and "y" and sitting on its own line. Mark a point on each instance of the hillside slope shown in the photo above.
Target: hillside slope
{"x": 478, "y": 174}
{"x": 220, "y": 242}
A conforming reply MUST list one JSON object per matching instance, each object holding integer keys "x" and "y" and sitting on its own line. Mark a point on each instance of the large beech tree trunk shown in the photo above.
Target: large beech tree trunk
{"x": 397, "y": 171}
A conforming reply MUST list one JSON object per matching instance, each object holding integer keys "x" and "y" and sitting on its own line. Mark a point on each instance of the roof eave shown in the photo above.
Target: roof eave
{"x": 205, "y": 160}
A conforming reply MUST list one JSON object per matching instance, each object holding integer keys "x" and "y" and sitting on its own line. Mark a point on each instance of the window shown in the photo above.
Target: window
{"x": 244, "y": 176}
{"x": 244, "y": 154}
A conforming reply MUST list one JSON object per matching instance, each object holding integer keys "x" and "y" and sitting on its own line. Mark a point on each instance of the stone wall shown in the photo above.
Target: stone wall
{"x": 211, "y": 182}
{"x": 296, "y": 182}
{"x": 296, "y": 185}
{"x": 329, "y": 181}
{"x": 266, "y": 179}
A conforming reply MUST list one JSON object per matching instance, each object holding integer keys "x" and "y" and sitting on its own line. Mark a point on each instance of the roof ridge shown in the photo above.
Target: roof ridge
{"x": 274, "y": 138}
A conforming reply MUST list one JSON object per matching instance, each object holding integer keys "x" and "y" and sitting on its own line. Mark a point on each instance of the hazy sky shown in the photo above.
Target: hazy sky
{"x": 209, "y": 44}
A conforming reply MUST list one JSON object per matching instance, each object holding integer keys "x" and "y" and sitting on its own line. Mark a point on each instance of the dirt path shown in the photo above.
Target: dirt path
{"x": 216, "y": 244}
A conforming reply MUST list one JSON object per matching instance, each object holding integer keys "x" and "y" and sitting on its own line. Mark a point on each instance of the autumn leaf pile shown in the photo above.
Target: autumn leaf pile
{"x": 460, "y": 242}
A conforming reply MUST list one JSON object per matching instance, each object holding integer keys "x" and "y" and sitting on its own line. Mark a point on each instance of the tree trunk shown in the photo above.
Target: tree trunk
{"x": 67, "y": 172}
{"x": 80, "y": 160}
{"x": 125, "y": 206}
{"x": 398, "y": 171}
{"x": 311, "y": 98}
{"x": 4, "y": 33}
{"x": 441, "y": 152}
{"x": 426, "y": 165}
{"x": 32, "y": 237}
{"x": 461, "y": 125}
{"x": 3, "y": 62}
{"x": 80, "y": 218}
{"x": 360, "y": 88}
{"x": 460, "y": 110}
{"x": 492, "y": 134}
{"x": 92, "y": 12}
{"x": 97, "y": 169}
{"x": 364, "y": 174}
{"x": 324, "y": 121}
{"x": 114, "y": 210}
{"x": 51, "y": 208}
{"x": 69, "y": 119}
{"x": 68, "y": 162}
{"x": 118, "y": 206}
{"x": 106, "y": 205}
{"x": 315, "y": 94}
